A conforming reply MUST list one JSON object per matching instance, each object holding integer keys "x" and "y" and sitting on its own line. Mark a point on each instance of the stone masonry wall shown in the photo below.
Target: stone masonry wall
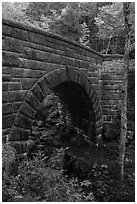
{"x": 111, "y": 80}
{"x": 28, "y": 54}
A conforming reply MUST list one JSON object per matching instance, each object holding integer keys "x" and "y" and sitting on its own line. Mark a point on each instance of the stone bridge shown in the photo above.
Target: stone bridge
{"x": 35, "y": 62}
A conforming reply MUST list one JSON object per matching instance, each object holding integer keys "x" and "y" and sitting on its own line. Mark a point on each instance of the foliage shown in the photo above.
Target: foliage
{"x": 110, "y": 21}
{"x": 107, "y": 19}
{"x": 8, "y": 159}
{"x": 66, "y": 19}
{"x": 78, "y": 21}
{"x": 107, "y": 186}
{"x": 39, "y": 180}
{"x": 42, "y": 178}
{"x": 86, "y": 33}
{"x": 49, "y": 108}
{"x": 15, "y": 11}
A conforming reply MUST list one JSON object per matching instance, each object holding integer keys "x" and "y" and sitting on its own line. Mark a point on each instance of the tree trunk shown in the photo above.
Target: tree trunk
{"x": 126, "y": 9}
{"x": 109, "y": 41}
{"x": 108, "y": 44}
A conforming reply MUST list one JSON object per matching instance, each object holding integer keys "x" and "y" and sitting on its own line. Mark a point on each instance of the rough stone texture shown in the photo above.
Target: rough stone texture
{"x": 111, "y": 80}
{"x": 35, "y": 61}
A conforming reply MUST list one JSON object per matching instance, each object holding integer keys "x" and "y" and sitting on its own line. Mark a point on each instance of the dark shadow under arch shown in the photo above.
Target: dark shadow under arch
{"x": 78, "y": 109}
{"x": 60, "y": 81}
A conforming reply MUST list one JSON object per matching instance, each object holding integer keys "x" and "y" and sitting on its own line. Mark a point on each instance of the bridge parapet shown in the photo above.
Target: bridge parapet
{"x": 30, "y": 54}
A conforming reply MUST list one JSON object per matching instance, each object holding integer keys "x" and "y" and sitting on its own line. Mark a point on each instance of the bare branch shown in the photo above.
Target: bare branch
{"x": 132, "y": 10}
{"x": 113, "y": 26}
{"x": 107, "y": 22}
{"x": 109, "y": 40}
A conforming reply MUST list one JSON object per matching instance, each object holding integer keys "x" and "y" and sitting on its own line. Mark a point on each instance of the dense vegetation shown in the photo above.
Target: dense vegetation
{"x": 97, "y": 25}
{"x": 59, "y": 165}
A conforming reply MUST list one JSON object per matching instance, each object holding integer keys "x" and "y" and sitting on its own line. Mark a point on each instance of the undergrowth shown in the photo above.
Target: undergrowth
{"x": 39, "y": 180}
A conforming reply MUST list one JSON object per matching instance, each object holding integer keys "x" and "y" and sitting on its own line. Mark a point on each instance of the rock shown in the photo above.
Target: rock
{"x": 104, "y": 166}
{"x": 94, "y": 165}
{"x": 71, "y": 165}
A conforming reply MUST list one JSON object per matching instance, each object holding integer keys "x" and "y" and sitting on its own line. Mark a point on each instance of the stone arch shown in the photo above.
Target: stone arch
{"x": 20, "y": 130}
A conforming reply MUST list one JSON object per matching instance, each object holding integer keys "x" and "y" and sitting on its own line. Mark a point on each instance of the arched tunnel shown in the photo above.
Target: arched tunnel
{"x": 77, "y": 107}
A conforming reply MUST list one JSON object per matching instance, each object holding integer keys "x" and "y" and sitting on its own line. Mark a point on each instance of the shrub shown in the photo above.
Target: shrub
{"x": 39, "y": 180}
{"x": 8, "y": 161}
{"x": 45, "y": 181}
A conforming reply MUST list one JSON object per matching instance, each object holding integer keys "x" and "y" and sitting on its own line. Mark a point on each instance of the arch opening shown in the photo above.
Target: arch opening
{"x": 78, "y": 99}
{"x": 77, "y": 108}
